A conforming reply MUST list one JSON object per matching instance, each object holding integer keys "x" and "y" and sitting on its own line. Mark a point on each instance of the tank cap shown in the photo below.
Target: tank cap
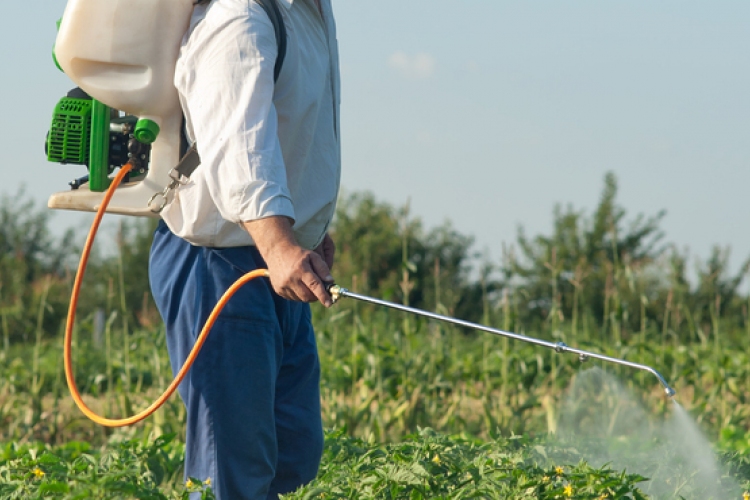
{"x": 146, "y": 131}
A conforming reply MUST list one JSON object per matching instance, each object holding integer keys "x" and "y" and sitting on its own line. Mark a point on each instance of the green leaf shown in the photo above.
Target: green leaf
{"x": 53, "y": 487}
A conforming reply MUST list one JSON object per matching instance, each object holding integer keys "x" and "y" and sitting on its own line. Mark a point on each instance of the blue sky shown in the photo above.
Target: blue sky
{"x": 487, "y": 112}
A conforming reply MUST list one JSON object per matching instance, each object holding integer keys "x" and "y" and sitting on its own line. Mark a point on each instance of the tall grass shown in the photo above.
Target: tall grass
{"x": 385, "y": 376}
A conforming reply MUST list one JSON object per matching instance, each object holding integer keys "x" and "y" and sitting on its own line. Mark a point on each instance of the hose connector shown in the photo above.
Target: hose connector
{"x": 335, "y": 291}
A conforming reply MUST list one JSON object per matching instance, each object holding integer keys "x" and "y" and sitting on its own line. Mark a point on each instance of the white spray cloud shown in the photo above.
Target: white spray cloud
{"x": 609, "y": 426}
{"x": 418, "y": 66}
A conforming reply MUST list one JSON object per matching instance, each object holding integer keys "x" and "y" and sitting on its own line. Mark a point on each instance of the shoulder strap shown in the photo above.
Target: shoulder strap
{"x": 274, "y": 14}
{"x": 272, "y": 9}
{"x": 189, "y": 158}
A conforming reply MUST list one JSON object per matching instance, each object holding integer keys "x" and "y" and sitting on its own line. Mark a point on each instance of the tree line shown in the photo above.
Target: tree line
{"x": 605, "y": 271}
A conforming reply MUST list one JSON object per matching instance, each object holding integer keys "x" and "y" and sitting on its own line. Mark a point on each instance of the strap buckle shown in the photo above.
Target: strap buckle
{"x": 177, "y": 180}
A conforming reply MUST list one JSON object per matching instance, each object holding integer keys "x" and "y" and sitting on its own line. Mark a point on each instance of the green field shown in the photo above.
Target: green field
{"x": 414, "y": 409}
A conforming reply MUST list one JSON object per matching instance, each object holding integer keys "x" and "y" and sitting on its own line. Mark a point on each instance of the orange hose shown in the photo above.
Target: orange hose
{"x": 121, "y": 422}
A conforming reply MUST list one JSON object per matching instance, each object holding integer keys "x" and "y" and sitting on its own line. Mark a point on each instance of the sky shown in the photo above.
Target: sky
{"x": 488, "y": 113}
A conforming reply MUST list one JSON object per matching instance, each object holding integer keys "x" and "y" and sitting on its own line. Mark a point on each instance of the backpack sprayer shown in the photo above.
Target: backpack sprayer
{"x": 126, "y": 114}
{"x": 121, "y": 54}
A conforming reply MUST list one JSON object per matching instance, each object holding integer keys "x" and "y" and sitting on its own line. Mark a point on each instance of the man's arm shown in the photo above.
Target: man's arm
{"x": 296, "y": 273}
{"x": 225, "y": 76}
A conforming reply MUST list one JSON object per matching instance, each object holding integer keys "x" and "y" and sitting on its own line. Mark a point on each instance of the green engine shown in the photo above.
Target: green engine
{"x": 70, "y": 133}
{"x": 85, "y": 131}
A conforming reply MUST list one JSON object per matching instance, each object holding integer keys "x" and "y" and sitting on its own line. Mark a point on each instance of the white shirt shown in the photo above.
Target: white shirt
{"x": 266, "y": 149}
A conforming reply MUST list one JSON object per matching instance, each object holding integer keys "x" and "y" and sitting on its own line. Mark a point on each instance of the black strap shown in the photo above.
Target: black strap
{"x": 274, "y": 14}
{"x": 190, "y": 159}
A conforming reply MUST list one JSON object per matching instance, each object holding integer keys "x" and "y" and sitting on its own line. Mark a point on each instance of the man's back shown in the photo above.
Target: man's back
{"x": 259, "y": 156}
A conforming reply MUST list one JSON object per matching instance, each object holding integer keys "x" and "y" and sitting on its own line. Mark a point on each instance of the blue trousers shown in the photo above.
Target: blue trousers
{"x": 253, "y": 395}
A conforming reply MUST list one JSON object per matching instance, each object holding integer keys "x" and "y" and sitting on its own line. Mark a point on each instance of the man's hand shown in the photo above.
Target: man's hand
{"x": 296, "y": 273}
{"x": 327, "y": 250}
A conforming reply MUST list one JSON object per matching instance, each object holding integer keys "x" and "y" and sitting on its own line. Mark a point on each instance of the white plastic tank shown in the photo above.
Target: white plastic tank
{"x": 123, "y": 53}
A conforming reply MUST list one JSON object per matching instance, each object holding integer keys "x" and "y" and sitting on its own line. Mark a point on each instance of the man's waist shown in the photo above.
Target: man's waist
{"x": 208, "y": 229}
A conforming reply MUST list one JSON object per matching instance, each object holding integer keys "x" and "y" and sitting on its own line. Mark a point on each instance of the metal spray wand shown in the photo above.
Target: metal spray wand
{"x": 337, "y": 292}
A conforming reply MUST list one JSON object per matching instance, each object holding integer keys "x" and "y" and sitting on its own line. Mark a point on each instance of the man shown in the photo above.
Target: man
{"x": 263, "y": 196}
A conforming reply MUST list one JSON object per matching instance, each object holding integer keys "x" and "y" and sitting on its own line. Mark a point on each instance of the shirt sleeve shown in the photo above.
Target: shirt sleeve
{"x": 227, "y": 85}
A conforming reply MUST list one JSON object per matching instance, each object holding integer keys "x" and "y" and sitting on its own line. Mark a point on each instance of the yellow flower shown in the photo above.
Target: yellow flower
{"x": 207, "y": 482}
{"x": 38, "y": 472}
{"x": 568, "y": 491}
{"x": 436, "y": 459}
{"x": 545, "y": 479}
{"x": 559, "y": 471}
{"x": 189, "y": 483}
{"x": 746, "y": 496}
